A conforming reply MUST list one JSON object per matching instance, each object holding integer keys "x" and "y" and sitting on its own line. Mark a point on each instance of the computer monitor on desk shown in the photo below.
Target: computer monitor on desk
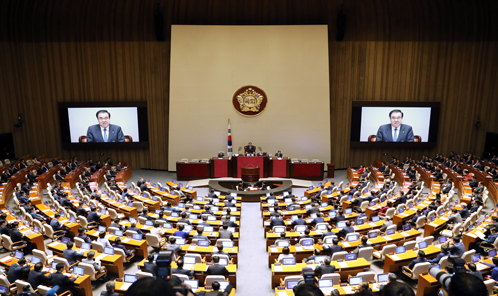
{"x": 383, "y": 278}
{"x": 289, "y": 261}
{"x": 355, "y": 280}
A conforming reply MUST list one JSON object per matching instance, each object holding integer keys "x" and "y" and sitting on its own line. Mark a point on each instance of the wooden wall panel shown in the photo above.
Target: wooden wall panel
{"x": 427, "y": 50}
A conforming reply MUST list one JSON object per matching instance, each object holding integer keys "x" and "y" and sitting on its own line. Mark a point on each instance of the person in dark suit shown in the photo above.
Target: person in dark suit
{"x": 133, "y": 227}
{"x": 199, "y": 234}
{"x": 81, "y": 234}
{"x": 299, "y": 220}
{"x": 420, "y": 259}
{"x": 250, "y": 148}
{"x": 109, "y": 286}
{"x": 225, "y": 233}
{"x": 104, "y": 131}
{"x": 180, "y": 232}
{"x": 458, "y": 247}
{"x": 216, "y": 289}
{"x": 339, "y": 217}
{"x": 15, "y": 235}
{"x": 348, "y": 229}
{"x": 181, "y": 270}
{"x": 173, "y": 247}
{"x": 219, "y": 250}
{"x": 279, "y": 154}
{"x": 71, "y": 254}
{"x": 464, "y": 213}
{"x": 35, "y": 215}
{"x": 4, "y": 229}
{"x": 277, "y": 221}
{"x": 211, "y": 194}
{"x": 395, "y": 131}
{"x": 325, "y": 268}
{"x": 17, "y": 270}
{"x": 334, "y": 248}
{"x": 61, "y": 280}
{"x": 216, "y": 269}
{"x": 56, "y": 226}
{"x": 150, "y": 266}
{"x": 37, "y": 277}
{"x": 117, "y": 244}
{"x": 444, "y": 252}
{"x": 93, "y": 216}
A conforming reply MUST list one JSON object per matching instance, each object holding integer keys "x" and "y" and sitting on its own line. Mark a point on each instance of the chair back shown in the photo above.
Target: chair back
{"x": 198, "y": 258}
{"x": 83, "y": 221}
{"x": 338, "y": 255}
{"x": 99, "y": 247}
{"x": 420, "y": 268}
{"x": 63, "y": 261}
{"x": 366, "y": 252}
{"x": 410, "y": 245}
{"x": 210, "y": 279}
{"x": 89, "y": 270}
{"x": 388, "y": 249}
{"x": 182, "y": 277}
{"x": 335, "y": 277}
{"x": 420, "y": 223}
{"x": 139, "y": 205}
{"x": 40, "y": 254}
{"x": 467, "y": 256}
{"x": 142, "y": 220}
{"x": 112, "y": 213}
{"x": 429, "y": 239}
{"x": 443, "y": 262}
{"x": 43, "y": 289}
{"x": 20, "y": 284}
{"x": 296, "y": 278}
{"x": 152, "y": 240}
{"x": 490, "y": 284}
{"x": 141, "y": 274}
{"x": 390, "y": 212}
{"x": 6, "y": 242}
{"x": 364, "y": 205}
{"x": 367, "y": 276}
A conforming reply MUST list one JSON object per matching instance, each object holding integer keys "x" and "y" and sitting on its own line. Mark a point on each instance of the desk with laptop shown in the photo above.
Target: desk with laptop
{"x": 131, "y": 241}
{"x": 402, "y": 257}
{"x": 348, "y": 267}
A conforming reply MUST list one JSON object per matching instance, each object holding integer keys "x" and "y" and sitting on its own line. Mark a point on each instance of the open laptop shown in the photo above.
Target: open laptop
{"x": 35, "y": 259}
{"x": 109, "y": 251}
{"x": 400, "y": 250}
{"x": 476, "y": 258}
{"x": 18, "y": 255}
{"x": 129, "y": 279}
{"x": 192, "y": 283}
{"x": 289, "y": 261}
{"x": 383, "y": 278}
{"x": 341, "y": 224}
{"x": 492, "y": 253}
{"x": 282, "y": 243}
{"x": 353, "y": 238}
{"x": 65, "y": 240}
{"x": 223, "y": 262}
{"x": 348, "y": 211}
{"x": 300, "y": 228}
{"x": 350, "y": 257}
{"x": 375, "y": 219}
{"x": 85, "y": 246}
{"x": 373, "y": 234}
{"x": 390, "y": 231}
{"x": 326, "y": 285}
{"x": 355, "y": 280}
{"x": 223, "y": 285}
{"x": 307, "y": 244}
{"x": 291, "y": 284}
{"x": 319, "y": 259}
{"x": 422, "y": 245}
{"x": 79, "y": 270}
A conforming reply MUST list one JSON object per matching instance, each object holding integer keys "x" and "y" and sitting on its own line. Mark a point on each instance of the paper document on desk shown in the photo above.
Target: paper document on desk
{"x": 274, "y": 250}
{"x": 299, "y": 249}
{"x": 395, "y": 257}
{"x": 388, "y": 238}
{"x": 308, "y": 248}
{"x": 372, "y": 224}
{"x": 63, "y": 221}
{"x": 280, "y": 293}
{"x": 346, "y": 244}
{"x": 277, "y": 268}
{"x": 108, "y": 236}
{"x": 192, "y": 247}
{"x": 433, "y": 224}
{"x": 405, "y": 234}
{"x": 125, "y": 286}
{"x": 343, "y": 264}
{"x": 348, "y": 290}
{"x": 481, "y": 266}
{"x": 480, "y": 235}
{"x": 100, "y": 257}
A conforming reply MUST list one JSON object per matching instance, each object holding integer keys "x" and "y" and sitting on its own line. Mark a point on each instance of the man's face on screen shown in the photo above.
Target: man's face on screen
{"x": 396, "y": 119}
{"x": 104, "y": 119}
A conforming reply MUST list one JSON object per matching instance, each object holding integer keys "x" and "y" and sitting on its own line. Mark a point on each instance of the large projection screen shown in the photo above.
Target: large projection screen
{"x": 210, "y": 63}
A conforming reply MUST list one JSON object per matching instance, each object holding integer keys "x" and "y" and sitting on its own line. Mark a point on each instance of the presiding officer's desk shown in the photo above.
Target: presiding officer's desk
{"x": 346, "y": 268}
{"x": 114, "y": 263}
{"x": 82, "y": 284}
{"x": 139, "y": 245}
{"x": 394, "y": 262}
{"x": 200, "y": 270}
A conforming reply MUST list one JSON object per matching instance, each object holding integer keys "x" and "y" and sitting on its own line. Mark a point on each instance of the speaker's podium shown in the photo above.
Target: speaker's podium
{"x": 250, "y": 175}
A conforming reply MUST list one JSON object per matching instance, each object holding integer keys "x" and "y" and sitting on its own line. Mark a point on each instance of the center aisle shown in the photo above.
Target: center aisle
{"x": 253, "y": 274}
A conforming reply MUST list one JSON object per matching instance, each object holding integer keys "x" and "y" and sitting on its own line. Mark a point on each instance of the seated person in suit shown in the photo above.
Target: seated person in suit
{"x": 285, "y": 254}
{"x": 311, "y": 259}
{"x": 81, "y": 234}
{"x": 325, "y": 268}
{"x": 90, "y": 259}
{"x": 250, "y": 149}
{"x": 109, "y": 286}
{"x": 216, "y": 268}
{"x": 63, "y": 281}
{"x": 334, "y": 248}
{"x": 395, "y": 131}
{"x": 104, "y": 241}
{"x": 37, "y": 277}
{"x": 277, "y": 221}
{"x": 225, "y": 233}
{"x": 115, "y": 224}
{"x": 219, "y": 250}
{"x": 444, "y": 252}
{"x": 180, "y": 232}
{"x": 299, "y": 220}
{"x": 364, "y": 243}
{"x": 279, "y": 154}
{"x": 199, "y": 234}
{"x": 348, "y": 229}
{"x": 150, "y": 266}
{"x": 473, "y": 270}
{"x": 458, "y": 247}
{"x": 93, "y": 216}
{"x": 104, "y": 131}
{"x": 181, "y": 270}
{"x": 17, "y": 270}
{"x": 420, "y": 259}
{"x": 70, "y": 254}
{"x": 117, "y": 244}
{"x": 172, "y": 246}
{"x": 133, "y": 227}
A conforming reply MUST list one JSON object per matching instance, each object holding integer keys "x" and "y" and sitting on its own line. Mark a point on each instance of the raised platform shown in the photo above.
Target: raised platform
{"x": 225, "y": 186}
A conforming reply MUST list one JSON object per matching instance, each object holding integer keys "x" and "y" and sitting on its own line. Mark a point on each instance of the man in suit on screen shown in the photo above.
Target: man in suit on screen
{"x": 395, "y": 131}
{"x": 104, "y": 131}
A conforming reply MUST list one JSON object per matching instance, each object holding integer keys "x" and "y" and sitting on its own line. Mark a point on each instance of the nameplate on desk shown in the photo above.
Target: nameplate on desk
{"x": 395, "y": 257}
{"x": 277, "y": 268}
{"x": 274, "y": 250}
{"x": 343, "y": 264}
{"x": 348, "y": 290}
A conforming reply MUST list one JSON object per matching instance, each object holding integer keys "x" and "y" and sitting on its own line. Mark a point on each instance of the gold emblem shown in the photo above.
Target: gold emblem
{"x": 250, "y": 101}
